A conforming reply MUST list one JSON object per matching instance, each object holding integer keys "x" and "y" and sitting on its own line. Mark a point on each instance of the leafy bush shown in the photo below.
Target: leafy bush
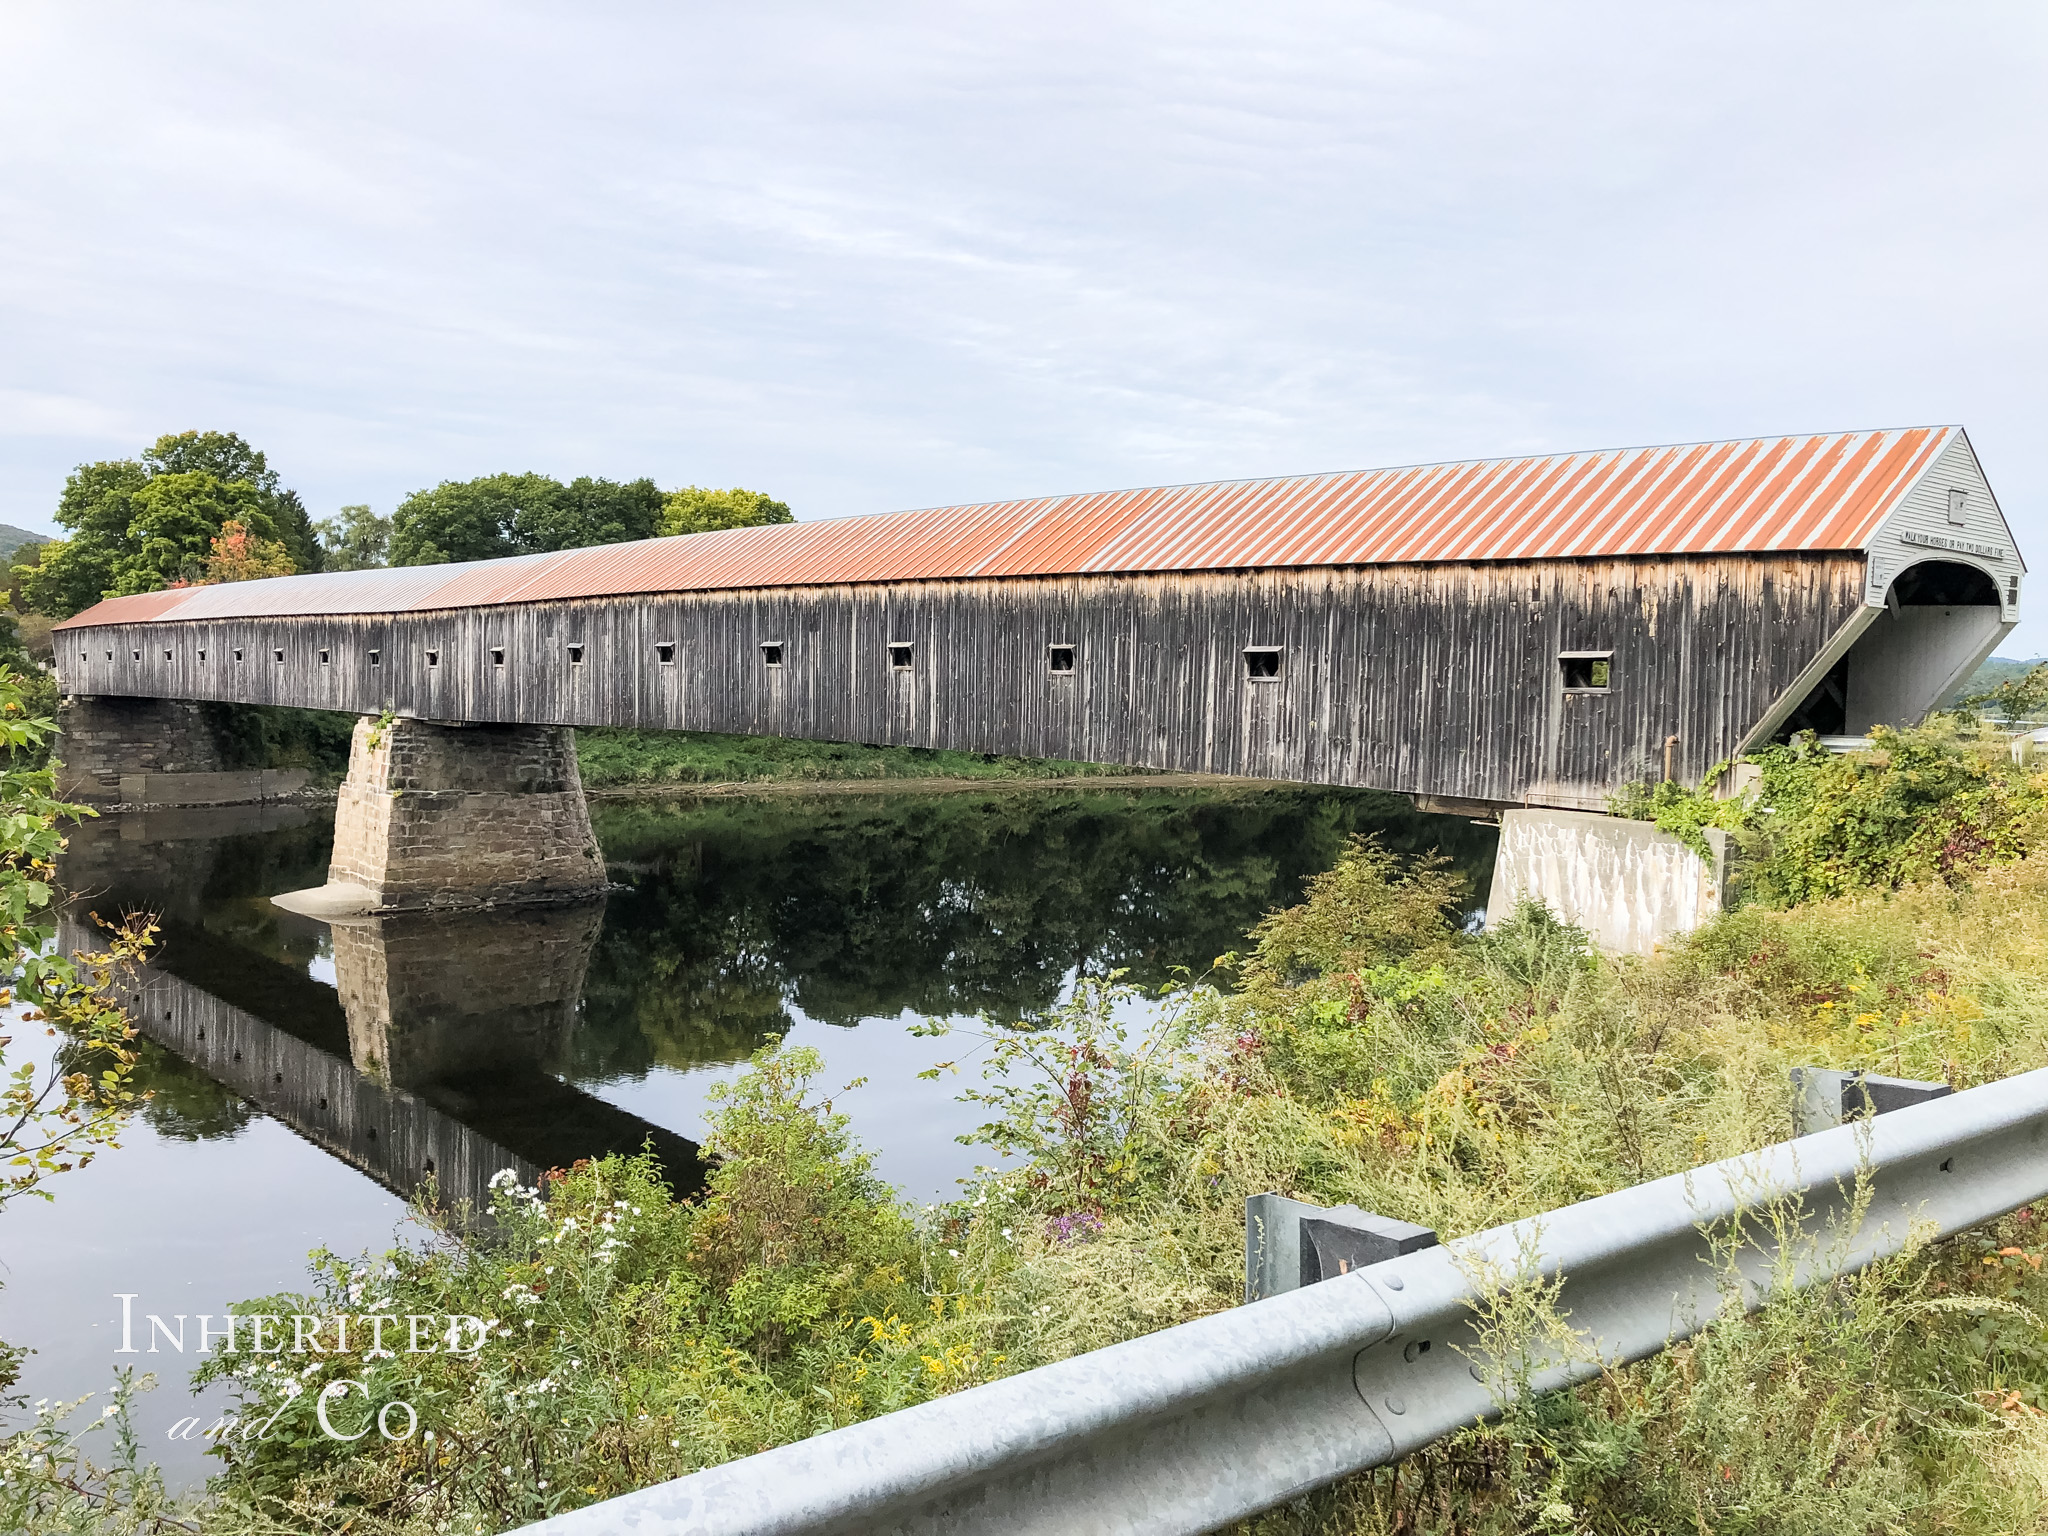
{"x": 1921, "y": 804}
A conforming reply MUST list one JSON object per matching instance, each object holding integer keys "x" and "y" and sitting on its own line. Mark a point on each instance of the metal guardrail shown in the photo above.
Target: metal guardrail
{"x": 1196, "y": 1426}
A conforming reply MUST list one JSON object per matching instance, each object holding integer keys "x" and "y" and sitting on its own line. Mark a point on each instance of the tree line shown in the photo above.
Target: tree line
{"x": 196, "y": 508}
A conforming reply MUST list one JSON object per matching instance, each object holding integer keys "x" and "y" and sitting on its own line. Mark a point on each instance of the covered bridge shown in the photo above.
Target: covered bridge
{"x": 1506, "y": 632}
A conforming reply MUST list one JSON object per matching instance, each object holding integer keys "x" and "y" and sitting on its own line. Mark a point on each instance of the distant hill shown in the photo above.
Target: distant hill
{"x": 13, "y": 540}
{"x": 1997, "y": 670}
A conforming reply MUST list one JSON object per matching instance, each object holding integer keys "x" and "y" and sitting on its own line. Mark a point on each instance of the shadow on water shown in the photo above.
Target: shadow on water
{"x": 450, "y": 1046}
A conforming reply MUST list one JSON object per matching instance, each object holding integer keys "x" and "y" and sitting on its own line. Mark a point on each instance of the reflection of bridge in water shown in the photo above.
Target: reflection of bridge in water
{"x": 431, "y": 1061}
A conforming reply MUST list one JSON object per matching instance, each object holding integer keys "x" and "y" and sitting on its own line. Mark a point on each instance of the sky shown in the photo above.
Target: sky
{"x": 888, "y": 256}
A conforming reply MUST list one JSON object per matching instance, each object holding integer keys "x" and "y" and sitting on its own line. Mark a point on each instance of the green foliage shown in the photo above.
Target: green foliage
{"x": 68, "y": 575}
{"x": 612, "y": 757}
{"x": 355, "y": 539}
{"x": 53, "y": 1121}
{"x": 633, "y": 1336}
{"x": 497, "y": 515}
{"x": 51, "y": 1486}
{"x": 694, "y": 509}
{"x": 137, "y": 525}
{"x": 176, "y": 519}
{"x": 1072, "y": 1095}
{"x": 18, "y": 541}
{"x": 1920, "y": 805}
{"x": 279, "y": 736}
{"x": 1685, "y": 813}
{"x": 227, "y": 458}
{"x": 1367, "y": 1053}
{"x": 1369, "y": 909}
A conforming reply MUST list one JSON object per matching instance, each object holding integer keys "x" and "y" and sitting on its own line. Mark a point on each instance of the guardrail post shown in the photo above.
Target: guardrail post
{"x": 1289, "y": 1243}
{"x": 1828, "y": 1097}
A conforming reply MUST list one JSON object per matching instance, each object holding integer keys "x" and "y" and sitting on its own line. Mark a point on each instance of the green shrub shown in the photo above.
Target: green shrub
{"x": 1917, "y": 805}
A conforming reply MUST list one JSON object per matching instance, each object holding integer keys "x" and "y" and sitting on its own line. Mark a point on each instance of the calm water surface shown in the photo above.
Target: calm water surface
{"x": 310, "y": 1078}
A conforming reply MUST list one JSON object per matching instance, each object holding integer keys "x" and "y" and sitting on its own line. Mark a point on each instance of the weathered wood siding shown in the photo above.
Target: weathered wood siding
{"x": 1439, "y": 680}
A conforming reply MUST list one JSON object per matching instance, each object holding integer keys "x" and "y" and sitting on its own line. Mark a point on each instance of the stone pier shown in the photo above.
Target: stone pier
{"x": 438, "y": 816}
{"x": 158, "y": 752}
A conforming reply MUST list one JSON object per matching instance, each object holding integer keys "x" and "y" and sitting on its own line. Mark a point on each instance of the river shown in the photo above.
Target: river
{"x": 309, "y": 1080}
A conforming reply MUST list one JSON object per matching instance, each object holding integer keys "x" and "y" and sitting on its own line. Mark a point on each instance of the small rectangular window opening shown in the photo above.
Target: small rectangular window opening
{"x": 2012, "y": 594}
{"x": 1958, "y": 507}
{"x": 81, "y": 655}
{"x": 202, "y": 653}
{"x": 1059, "y": 659}
{"x": 167, "y": 655}
{"x": 1262, "y": 663}
{"x": 136, "y": 654}
{"x": 497, "y": 656}
{"x": 277, "y": 655}
{"x": 1585, "y": 672}
{"x": 665, "y": 652}
{"x": 771, "y": 653}
{"x": 376, "y": 658}
{"x": 575, "y": 653}
{"x": 433, "y": 658}
{"x": 238, "y": 653}
{"x": 110, "y": 656}
{"x": 899, "y": 656}
{"x": 323, "y": 655}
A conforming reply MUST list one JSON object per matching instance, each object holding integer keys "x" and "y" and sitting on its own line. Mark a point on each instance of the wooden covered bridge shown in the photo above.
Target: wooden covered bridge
{"x": 1501, "y": 633}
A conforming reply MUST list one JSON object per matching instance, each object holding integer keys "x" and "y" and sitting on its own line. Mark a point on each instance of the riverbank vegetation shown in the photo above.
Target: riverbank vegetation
{"x": 631, "y": 759}
{"x": 1357, "y": 1048}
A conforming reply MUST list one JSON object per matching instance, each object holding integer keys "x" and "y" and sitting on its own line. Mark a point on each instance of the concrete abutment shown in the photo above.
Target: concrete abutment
{"x": 1632, "y": 886}
{"x": 439, "y": 816}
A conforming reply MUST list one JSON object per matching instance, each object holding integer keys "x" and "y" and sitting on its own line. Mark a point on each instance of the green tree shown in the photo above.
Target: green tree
{"x": 467, "y": 519}
{"x": 694, "y": 509}
{"x": 227, "y": 457}
{"x": 497, "y": 515}
{"x": 224, "y": 455}
{"x": 355, "y": 539}
{"x": 177, "y": 518}
{"x": 62, "y": 577}
{"x": 2017, "y": 698}
{"x": 590, "y": 511}
{"x": 295, "y": 531}
{"x": 139, "y": 524}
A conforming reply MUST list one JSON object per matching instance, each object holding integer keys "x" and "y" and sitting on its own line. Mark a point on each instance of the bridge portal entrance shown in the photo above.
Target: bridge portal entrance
{"x": 1941, "y": 618}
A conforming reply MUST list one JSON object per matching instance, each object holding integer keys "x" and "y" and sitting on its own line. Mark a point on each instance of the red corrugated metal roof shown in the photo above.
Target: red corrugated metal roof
{"x": 1752, "y": 496}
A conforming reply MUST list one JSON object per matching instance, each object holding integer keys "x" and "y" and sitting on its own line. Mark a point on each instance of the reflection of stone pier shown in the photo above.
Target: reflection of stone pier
{"x": 434, "y": 996}
{"x": 472, "y": 1012}
{"x": 397, "y": 1140}
{"x": 433, "y": 1059}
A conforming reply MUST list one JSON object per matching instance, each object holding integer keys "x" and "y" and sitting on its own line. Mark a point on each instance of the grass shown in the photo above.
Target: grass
{"x": 617, "y": 758}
